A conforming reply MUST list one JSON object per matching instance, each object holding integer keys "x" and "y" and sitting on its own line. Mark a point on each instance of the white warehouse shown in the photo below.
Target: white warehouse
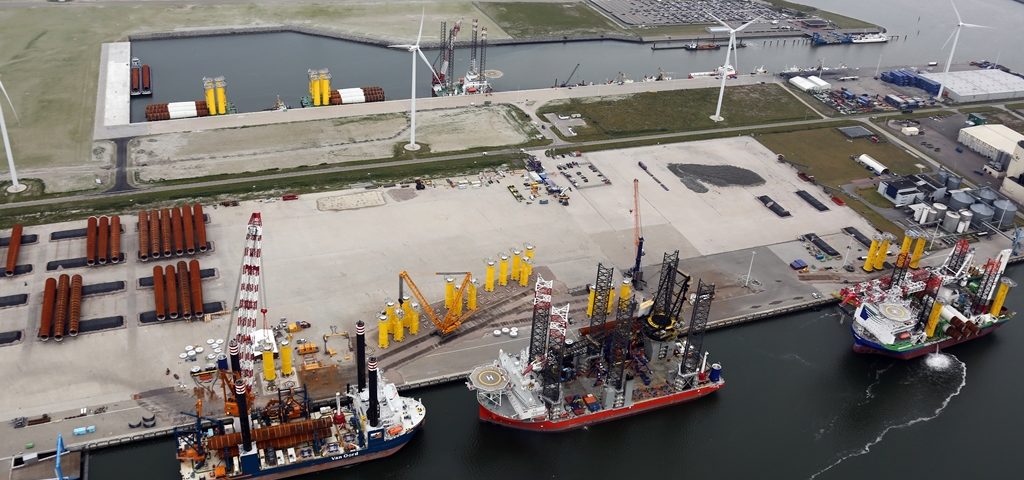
{"x": 979, "y": 85}
{"x": 991, "y": 140}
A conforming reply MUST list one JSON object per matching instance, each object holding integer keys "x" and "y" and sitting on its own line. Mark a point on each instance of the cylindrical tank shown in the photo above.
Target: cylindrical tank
{"x": 716, "y": 373}
{"x": 165, "y": 232}
{"x": 158, "y": 293}
{"x": 13, "y": 245}
{"x": 184, "y": 290}
{"x": 195, "y": 283}
{"x": 143, "y": 235}
{"x": 943, "y": 177}
{"x": 103, "y": 240}
{"x": 951, "y": 220}
{"x": 154, "y": 234}
{"x": 61, "y": 310}
{"x": 171, "y": 285}
{"x": 269, "y": 372}
{"x": 200, "y": 220}
{"x": 1004, "y": 213}
{"x": 960, "y": 201}
{"x": 987, "y": 196}
{"x": 286, "y": 358}
{"x": 928, "y": 213}
{"x": 222, "y": 362}
{"x": 115, "y": 239}
{"x": 90, "y": 241}
{"x": 46, "y": 316}
{"x": 940, "y": 211}
{"x": 982, "y": 214}
{"x": 919, "y": 214}
{"x": 75, "y": 313}
{"x": 176, "y": 234}
{"x": 953, "y": 182}
{"x": 188, "y": 229}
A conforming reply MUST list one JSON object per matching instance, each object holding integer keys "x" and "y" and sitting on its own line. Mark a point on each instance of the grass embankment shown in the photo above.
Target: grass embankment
{"x": 1015, "y": 106}
{"x": 841, "y": 21}
{"x": 535, "y": 19}
{"x": 983, "y": 109}
{"x": 997, "y": 116}
{"x": 246, "y": 190}
{"x": 679, "y": 110}
{"x": 825, "y": 154}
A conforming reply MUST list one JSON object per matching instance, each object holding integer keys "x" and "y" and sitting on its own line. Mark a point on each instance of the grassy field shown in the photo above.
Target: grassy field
{"x": 840, "y": 20}
{"x": 529, "y": 19}
{"x": 872, "y": 216}
{"x": 998, "y": 116}
{"x": 1015, "y": 106}
{"x": 871, "y": 195}
{"x": 679, "y": 110}
{"x": 982, "y": 109}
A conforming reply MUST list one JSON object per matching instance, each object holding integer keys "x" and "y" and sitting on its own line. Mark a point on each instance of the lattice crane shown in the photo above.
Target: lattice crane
{"x": 638, "y": 237}
{"x": 453, "y": 319}
{"x": 249, "y": 297}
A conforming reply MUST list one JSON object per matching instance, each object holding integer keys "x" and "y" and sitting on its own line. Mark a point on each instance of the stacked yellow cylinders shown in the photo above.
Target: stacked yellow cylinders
{"x": 471, "y": 295}
{"x": 325, "y": 87}
{"x": 211, "y": 97}
{"x": 489, "y": 277}
{"x": 268, "y": 365}
{"x": 449, "y": 292}
{"x": 611, "y": 300}
{"x": 525, "y": 269}
{"x": 591, "y": 297}
{"x": 997, "y": 304}
{"x": 883, "y": 249}
{"x": 395, "y": 325}
{"x": 869, "y": 261}
{"x": 406, "y": 311}
{"x": 908, "y": 241}
{"x": 933, "y": 319}
{"x": 286, "y": 358}
{"x": 529, "y": 251}
{"x": 626, "y": 289}
{"x": 517, "y": 262}
{"x": 503, "y": 271}
{"x": 382, "y": 331}
{"x": 915, "y": 259}
{"x": 222, "y": 97}
{"x": 314, "y": 87}
{"x": 414, "y": 319}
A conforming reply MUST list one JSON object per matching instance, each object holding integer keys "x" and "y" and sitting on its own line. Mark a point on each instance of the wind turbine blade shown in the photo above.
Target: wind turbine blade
{"x": 431, "y": 67}
{"x": 959, "y": 20}
{"x": 745, "y": 25}
{"x": 948, "y": 39}
{"x": 971, "y": 25}
{"x": 8, "y": 97}
{"x": 401, "y": 46}
{"x": 726, "y": 25}
{"x": 423, "y": 16}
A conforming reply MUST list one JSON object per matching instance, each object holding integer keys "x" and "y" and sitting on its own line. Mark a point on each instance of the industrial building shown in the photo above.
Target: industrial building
{"x": 994, "y": 141}
{"x": 901, "y": 191}
{"x": 871, "y": 164}
{"x": 1013, "y": 184}
{"x": 810, "y": 84}
{"x": 944, "y": 204}
{"x": 979, "y": 85}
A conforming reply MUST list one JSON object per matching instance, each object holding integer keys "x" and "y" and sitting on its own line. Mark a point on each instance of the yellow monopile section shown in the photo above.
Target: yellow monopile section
{"x": 869, "y": 260}
{"x": 314, "y": 87}
{"x": 413, "y": 322}
{"x": 517, "y": 262}
{"x": 489, "y": 277}
{"x": 997, "y": 304}
{"x": 611, "y": 300}
{"x": 268, "y": 365}
{"x": 394, "y": 324}
{"x": 471, "y": 295}
{"x": 529, "y": 251}
{"x": 382, "y": 331}
{"x": 222, "y": 96}
{"x": 915, "y": 259}
{"x": 503, "y": 271}
{"x": 933, "y": 319}
{"x": 591, "y": 296}
{"x": 626, "y": 289}
{"x": 210, "y": 95}
{"x": 325, "y": 87}
{"x": 449, "y": 292}
{"x": 286, "y": 358}
{"x": 883, "y": 249}
{"x": 524, "y": 271}
{"x": 908, "y": 240}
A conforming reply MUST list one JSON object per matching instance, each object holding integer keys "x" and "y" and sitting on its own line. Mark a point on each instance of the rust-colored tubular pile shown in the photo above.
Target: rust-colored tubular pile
{"x": 61, "y": 314}
{"x": 158, "y": 292}
{"x": 197, "y": 288}
{"x": 179, "y": 240}
{"x": 12, "y": 251}
{"x": 75, "y": 315}
{"x": 154, "y": 234}
{"x": 184, "y": 290}
{"x": 188, "y": 229}
{"x": 115, "y": 239}
{"x": 46, "y": 320}
{"x": 200, "y": 221}
{"x": 172, "y": 292}
{"x": 103, "y": 243}
{"x": 90, "y": 241}
{"x": 143, "y": 235}
{"x": 165, "y": 231}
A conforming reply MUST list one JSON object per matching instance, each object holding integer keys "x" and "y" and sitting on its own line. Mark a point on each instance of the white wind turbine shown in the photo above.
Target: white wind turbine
{"x": 15, "y": 187}
{"x": 415, "y": 51}
{"x": 731, "y": 49}
{"x": 956, "y": 38}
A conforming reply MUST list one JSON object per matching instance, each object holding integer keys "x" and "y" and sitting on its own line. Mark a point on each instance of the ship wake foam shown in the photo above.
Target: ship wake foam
{"x": 935, "y": 362}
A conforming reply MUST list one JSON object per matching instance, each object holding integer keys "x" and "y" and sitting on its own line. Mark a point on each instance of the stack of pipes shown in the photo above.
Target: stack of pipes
{"x": 62, "y": 308}
{"x": 178, "y": 231}
{"x": 178, "y": 291}
{"x": 13, "y": 246}
{"x": 103, "y": 240}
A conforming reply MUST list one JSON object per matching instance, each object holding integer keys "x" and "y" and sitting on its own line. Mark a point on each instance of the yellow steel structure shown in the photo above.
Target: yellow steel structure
{"x": 268, "y": 365}
{"x": 222, "y": 96}
{"x": 869, "y": 260}
{"x": 517, "y": 262}
{"x": 591, "y": 297}
{"x": 449, "y": 292}
{"x": 286, "y": 358}
{"x": 883, "y": 249}
{"x": 529, "y": 250}
{"x": 933, "y": 319}
{"x": 908, "y": 241}
{"x": 915, "y": 259}
{"x": 611, "y": 300}
{"x": 524, "y": 271}
{"x": 382, "y": 331}
{"x": 210, "y": 95}
{"x": 503, "y": 271}
{"x": 625, "y": 291}
{"x": 325, "y": 87}
{"x": 453, "y": 319}
{"x": 314, "y": 87}
{"x": 997, "y": 304}
{"x": 471, "y": 295}
{"x": 489, "y": 277}
{"x": 413, "y": 321}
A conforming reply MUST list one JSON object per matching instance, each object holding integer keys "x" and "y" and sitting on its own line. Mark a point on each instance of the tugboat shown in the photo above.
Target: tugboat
{"x": 702, "y": 46}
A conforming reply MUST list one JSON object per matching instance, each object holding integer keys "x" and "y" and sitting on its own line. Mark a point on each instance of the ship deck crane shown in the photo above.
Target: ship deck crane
{"x": 569, "y": 79}
{"x": 249, "y": 297}
{"x": 453, "y": 319}
{"x": 637, "y": 273}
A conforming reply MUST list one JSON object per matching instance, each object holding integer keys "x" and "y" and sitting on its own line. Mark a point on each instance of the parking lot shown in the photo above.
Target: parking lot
{"x": 682, "y": 12}
{"x": 565, "y": 122}
{"x": 939, "y": 141}
{"x": 581, "y": 174}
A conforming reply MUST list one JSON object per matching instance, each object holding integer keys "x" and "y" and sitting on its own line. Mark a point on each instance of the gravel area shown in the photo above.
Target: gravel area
{"x": 695, "y": 175}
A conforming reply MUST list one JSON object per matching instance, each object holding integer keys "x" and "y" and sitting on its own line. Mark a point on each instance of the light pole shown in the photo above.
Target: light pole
{"x": 750, "y": 268}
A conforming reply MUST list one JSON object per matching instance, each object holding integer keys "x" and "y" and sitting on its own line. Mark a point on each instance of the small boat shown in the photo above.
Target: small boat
{"x": 702, "y": 46}
{"x": 136, "y": 72}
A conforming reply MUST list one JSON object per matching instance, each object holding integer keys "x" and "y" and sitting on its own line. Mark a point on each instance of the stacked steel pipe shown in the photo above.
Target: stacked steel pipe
{"x": 49, "y": 297}
{"x": 90, "y": 241}
{"x": 154, "y": 234}
{"x": 158, "y": 292}
{"x": 61, "y": 313}
{"x": 165, "y": 231}
{"x": 195, "y": 281}
{"x": 12, "y": 251}
{"x": 189, "y": 229}
{"x": 103, "y": 240}
{"x": 177, "y": 231}
{"x": 75, "y": 315}
{"x": 178, "y": 290}
{"x": 143, "y": 235}
{"x": 179, "y": 239}
{"x": 183, "y": 288}
{"x": 174, "y": 110}
{"x": 200, "y": 221}
{"x": 172, "y": 292}
{"x": 115, "y": 239}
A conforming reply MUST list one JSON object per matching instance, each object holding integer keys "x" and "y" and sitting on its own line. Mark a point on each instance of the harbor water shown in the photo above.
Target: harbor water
{"x": 798, "y": 404}
{"x": 258, "y": 67}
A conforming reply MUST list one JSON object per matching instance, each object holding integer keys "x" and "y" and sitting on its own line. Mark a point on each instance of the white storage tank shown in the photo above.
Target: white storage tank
{"x": 966, "y": 217}
{"x": 982, "y": 214}
{"x": 940, "y": 209}
{"x": 926, "y": 214}
{"x": 950, "y": 222}
{"x": 1005, "y": 212}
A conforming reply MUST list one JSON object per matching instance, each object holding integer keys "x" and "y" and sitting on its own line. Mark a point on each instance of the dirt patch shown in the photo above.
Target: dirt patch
{"x": 695, "y": 176}
{"x": 402, "y": 194}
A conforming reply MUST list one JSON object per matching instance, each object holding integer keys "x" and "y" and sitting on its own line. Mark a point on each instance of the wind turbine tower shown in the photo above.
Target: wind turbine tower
{"x": 414, "y": 49}
{"x": 956, "y": 38}
{"x": 730, "y": 50}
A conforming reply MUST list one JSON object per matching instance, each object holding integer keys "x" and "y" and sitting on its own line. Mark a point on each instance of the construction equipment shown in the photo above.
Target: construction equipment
{"x": 190, "y": 438}
{"x": 567, "y": 80}
{"x": 453, "y": 318}
{"x": 334, "y": 333}
{"x": 249, "y": 297}
{"x": 637, "y": 273}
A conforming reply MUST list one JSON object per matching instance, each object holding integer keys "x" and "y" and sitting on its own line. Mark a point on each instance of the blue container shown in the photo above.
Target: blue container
{"x": 91, "y": 429}
{"x": 222, "y": 362}
{"x": 79, "y": 431}
{"x": 716, "y": 373}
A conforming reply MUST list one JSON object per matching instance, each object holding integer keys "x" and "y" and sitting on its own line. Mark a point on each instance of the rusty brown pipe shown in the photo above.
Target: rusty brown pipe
{"x": 179, "y": 241}
{"x": 90, "y": 241}
{"x": 172, "y": 292}
{"x": 61, "y": 315}
{"x": 115, "y": 239}
{"x": 46, "y": 318}
{"x": 197, "y": 288}
{"x": 12, "y": 250}
{"x": 188, "y": 229}
{"x": 200, "y": 221}
{"x": 154, "y": 234}
{"x": 184, "y": 290}
{"x": 76, "y": 305}
{"x": 158, "y": 292}
{"x": 165, "y": 231}
{"x": 143, "y": 235}
{"x": 103, "y": 241}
